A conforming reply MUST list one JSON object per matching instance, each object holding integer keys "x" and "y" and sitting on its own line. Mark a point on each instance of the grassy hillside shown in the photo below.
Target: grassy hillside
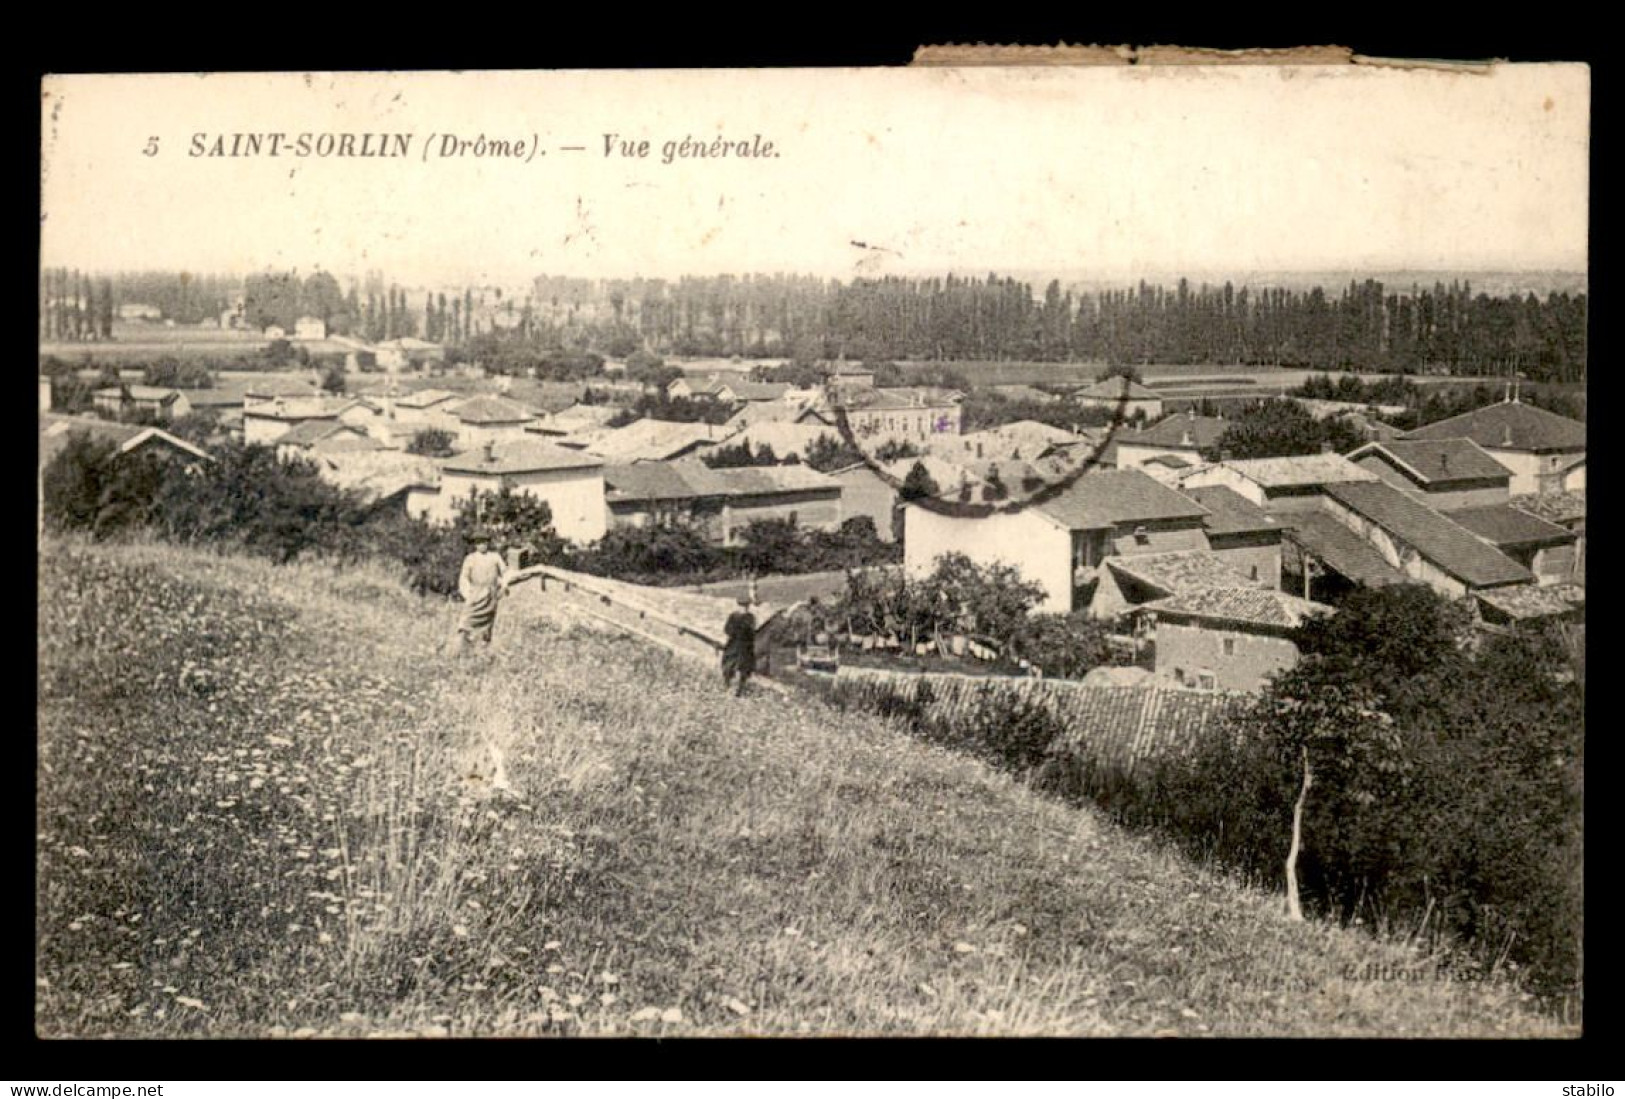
{"x": 268, "y": 805}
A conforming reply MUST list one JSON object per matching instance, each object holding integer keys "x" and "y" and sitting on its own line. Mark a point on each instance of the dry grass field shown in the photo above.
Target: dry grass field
{"x": 270, "y": 805}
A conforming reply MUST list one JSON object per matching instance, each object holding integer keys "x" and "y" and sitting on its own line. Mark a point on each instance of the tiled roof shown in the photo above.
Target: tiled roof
{"x": 1244, "y": 605}
{"x": 346, "y": 444}
{"x": 712, "y": 385}
{"x": 1110, "y": 675}
{"x": 1104, "y": 498}
{"x": 1554, "y": 507}
{"x": 161, "y": 394}
{"x": 785, "y": 439}
{"x": 646, "y": 481}
{"x": 218, "y": 397}
{"x": 1303, "y": 469}
{"x": 310, "y": 432}
{"x": 1179, "y": 571}
{"x": 1117, "y": 388}
{"x": 755, "y": 480}
{"x": 1446, "y": 544}
{"x": 426, "y": 398}
{"x": 899, "y": 399}
{"x": 1509, "y": 425}
{"x": 1012, "y": 471}
{"x": 1505, "y": 525}
{"x": 55, "y": 430}
{"x": 1169, "y": 461}
{"x": 758, "y": 391}
{"x": 1534, "y": 601}
{"x": 1025, "y": 432}
{"x": 580, "y": 417}
{"x": 948, "y": 475}
{"x": 492, "y": 410}
{"x": 1172, "y": 431}
{"x": 645, "y": 440}
{"x": 1430, "y": 461}
{"x": 522, "y": 455}
{"x": 378, "y": 474}
{"x": 765, "y": 412}
{"x": 280, "y": 387}
{"x": 1341, "y": 550}
{"x": 1231, "y": 512}
{"x": 313, "y": 408}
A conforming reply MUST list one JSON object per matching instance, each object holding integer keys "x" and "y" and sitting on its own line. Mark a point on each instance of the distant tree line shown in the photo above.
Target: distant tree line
{"x": 74, "y": 306}
{"x": 1364, "y": 325}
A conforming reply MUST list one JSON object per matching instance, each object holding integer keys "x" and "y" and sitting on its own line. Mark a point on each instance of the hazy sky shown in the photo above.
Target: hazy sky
{"x": 1104, "y": 170}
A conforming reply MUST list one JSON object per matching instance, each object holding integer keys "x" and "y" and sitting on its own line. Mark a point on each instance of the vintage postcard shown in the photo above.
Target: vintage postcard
{"x": 1067, "y": 549}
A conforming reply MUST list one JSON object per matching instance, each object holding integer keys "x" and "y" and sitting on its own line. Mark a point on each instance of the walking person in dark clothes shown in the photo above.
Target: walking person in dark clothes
{"x": 739, "y": 654}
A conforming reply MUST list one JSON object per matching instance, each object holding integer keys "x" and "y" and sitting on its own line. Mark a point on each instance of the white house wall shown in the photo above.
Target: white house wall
{"x": 576, "y": 498}
{"x": 1039, "y": 548}
{"x": 1533, "y": 474}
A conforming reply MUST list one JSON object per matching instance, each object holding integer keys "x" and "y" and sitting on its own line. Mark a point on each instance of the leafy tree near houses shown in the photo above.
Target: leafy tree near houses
{"x": 1280, "y": 429}
{"x": 200, "y": 427}
{"x": 893, "y": 450}
{"x": 432, "y": 442}
{"x": 281, "y": 352}
{"x": 333, "y": 380}
{"x": 650, "y": 369}
{"x": 1334, "y": 729}
{"x": 90, "y": 486}
{"x": 177, "y": 373}
{"x": 828, "y": 453}
{"x": 672, "y": 548}
{"x": 990, "y": 600}
{"x": 249, "y": 497}
{"x": 1421, "y": 771}
{"x": 918, "y": 484}
{"x": 738, "y": 456}
{"x": 514, "y": 521}
{"x": 73, "y": 482}
{"x": 1121, "y": 370}
{"x": 1063, "y": 646}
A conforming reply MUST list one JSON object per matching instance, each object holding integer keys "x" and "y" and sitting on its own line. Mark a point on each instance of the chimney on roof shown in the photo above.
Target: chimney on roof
{"x": 490, "y": 450}
{"x": 1185, "y": 438}
{"x": 1327, "y": 448}
{"x": 1190, "y": 413}
{"x": 1506, "y": 434}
